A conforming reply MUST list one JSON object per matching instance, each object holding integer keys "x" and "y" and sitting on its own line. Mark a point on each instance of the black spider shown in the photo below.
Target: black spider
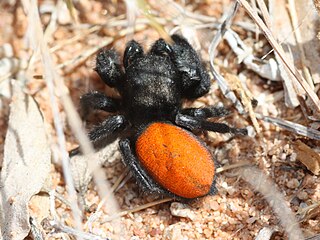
{"x": 160, "y": 150}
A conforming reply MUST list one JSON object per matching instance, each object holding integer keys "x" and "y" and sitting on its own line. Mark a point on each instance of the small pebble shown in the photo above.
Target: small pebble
{"x": 302, "y": 195}
{"x": 181, "y": 210}
{"x": 293, "y": 184}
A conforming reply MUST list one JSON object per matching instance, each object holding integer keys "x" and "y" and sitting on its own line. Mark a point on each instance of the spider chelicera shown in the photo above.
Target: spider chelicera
{"x": 159, "y": 148}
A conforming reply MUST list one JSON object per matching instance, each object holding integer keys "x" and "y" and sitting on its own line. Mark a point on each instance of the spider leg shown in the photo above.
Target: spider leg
{"x": 109, "y": 69}
{"x": 97, "y": 101}
{"x": 133, "y": 50}
{"x": 195, "y": 79}
{"x": 205, "y": 112}
{"x": 194, "y": 123}
{"x": 130, "y": 160}
{"x": 108, "y": 130}
{"x": 161, "y": 47}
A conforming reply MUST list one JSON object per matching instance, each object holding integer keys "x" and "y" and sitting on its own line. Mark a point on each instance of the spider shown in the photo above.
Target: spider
{"x": 160, "y": 149}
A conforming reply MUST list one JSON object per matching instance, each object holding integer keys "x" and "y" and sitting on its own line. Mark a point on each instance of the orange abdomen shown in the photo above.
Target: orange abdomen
{"x": 176, "y": 160}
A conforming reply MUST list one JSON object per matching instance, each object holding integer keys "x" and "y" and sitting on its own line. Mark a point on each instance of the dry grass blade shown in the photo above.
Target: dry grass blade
{"x": 245, "y": 96}
{"x": 37, "y": 39}
{"x": 290, "y": 89}
{"x": 223, "y": 85}
{"x": 262, "y": 184}
{"x": 145, "y": 9}
{"x": 35, "y": 231}
{"x": 93, "y": 217}
{"x": 59, "y": 227}
{"x": 282, "y": 55}
{"x": 226, "y": 22}
{"x": 233, "y": 166}
{"x": 56, "y": 84}
{"x": 225, "y": 89}
{"x": 308, "y": 212}
{"x": 265, "y": 12}
{"x": 8, "y": 67}
{"x": 58, "y": 196}
{"x": 78, "y": 234}
{"x": 315, "y": 237}
{"x": 136, "y": 209}
{"x": 292, "y": 127}
{"x": 74, "y": 39}
{"x": 265, "y": 234}
{"x": 182, "y": 19}
{"x": 114, "y": 187}
{"x": 72, "y": 10}
{"x": 73, "y": 63}
{"x": 295, "y": 23}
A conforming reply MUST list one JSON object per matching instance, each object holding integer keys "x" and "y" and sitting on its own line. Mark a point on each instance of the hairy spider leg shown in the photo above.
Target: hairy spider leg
{"x": 97, "y": 101}
{"x": 143, "y": 179}
{"x": 109, "y": 69}
{"x": 109, "y": 129}
{"x": 206, "y": 112}
{"x": 194, "y": 123}
{"x": 195, "y": 79}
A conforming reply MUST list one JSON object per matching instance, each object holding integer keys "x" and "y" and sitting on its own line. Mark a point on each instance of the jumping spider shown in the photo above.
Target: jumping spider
{"x": 160, "y": 149}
